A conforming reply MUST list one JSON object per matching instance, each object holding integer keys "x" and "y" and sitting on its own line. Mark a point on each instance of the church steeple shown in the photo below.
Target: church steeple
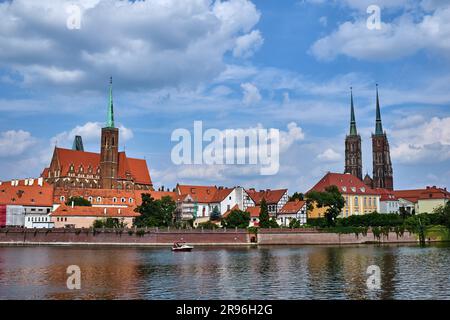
{"x": 353, "y": 131}
{"x": 110, "y": 119}
{"x": 378, "y": 125}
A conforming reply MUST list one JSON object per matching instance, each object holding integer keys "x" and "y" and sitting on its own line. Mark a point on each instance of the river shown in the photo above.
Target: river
{"x": 278, "y": 272}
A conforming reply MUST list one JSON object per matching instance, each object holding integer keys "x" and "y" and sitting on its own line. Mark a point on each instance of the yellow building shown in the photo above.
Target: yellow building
{"x": 359, "y": 199}
{"x": 424, "y": 200}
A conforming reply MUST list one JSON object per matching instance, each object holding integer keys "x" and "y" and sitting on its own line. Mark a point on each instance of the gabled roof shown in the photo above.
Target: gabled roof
{"x": 26, "y": 195}
{"x": 204, "y": 194}
{"x": 137, "y": 168}
{"x": 271, "y": 196}
{"x": 254, "y": 211}
{"x": 423, "y": 194}
{"x": 67, "y": 211}
{"x": 346, "y": 183}
{"x": 292, "y": 207}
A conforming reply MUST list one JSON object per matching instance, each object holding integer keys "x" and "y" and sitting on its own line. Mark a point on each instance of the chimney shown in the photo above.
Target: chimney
{"x": 25, "y": 182}
{"x": 40, "y": 181}
{"x": 30, "y": 181}
{"x": 1, "y": 183}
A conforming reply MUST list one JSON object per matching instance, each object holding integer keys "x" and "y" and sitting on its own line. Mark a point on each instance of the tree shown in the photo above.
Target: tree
{"x": 215, "y": 214}
{"x": 330, "y": 198}
{"x": 237, "y": 219}
{"x": 110, "y": 223}
{"x": 264, "y": 219}
{"x": 78, "y": 202}
{"x": 155, "y": 213}
{"x": 297, "y": 196}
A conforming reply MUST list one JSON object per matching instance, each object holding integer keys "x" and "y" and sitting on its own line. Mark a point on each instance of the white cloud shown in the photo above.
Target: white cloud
{"x": 293, "y": 134}
{"x": 145, "y": 44}
{"x": 14, "y": 143}
{"x": 90, "y": 132}
{"x": 248, "y": 44}
{"x": 399, "y": 38}
{"x": 329, "y": 155}
{"x": 425, "y": 143}
{"x": 251, "y": 94}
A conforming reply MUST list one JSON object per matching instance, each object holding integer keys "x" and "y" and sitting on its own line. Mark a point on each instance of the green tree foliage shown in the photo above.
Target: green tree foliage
{"x": 155, "y": 213}
{"x": 237, "y": 219}
{"x": 443, "y": 214}
{"x": 332, "y": 199}
{"x": 264, "y": 219}
{"x": 110, "y": 223}
{"x": 78, "y": 202}
{"x": 215, "y": 214}
{"x": 297, "y": 196}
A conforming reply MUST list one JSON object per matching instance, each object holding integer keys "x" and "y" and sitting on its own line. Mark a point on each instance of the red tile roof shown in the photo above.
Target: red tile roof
{"x": 386, "y": 195}
{"x": 271, "y": 196}
{"x": 204, "y": 194}
{"x": 137, "y": 168}
{"x": 34, "y": 195}
{"x": 423, "y": 194}
{"x": 65, "y": 211}
{"x": 292, "y": 207}
{"x": 346, "y": 183}
{"x": 254, "y": 211}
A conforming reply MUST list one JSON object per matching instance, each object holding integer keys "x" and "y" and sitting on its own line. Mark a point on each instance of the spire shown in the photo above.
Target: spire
{"x": 110, "y": 119}
{"x": 378, "y": 125}
{"x": 353, "y": 131}
{"x": 78, "y": 144}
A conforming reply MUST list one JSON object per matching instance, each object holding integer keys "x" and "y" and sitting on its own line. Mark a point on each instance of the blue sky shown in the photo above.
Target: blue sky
{"x": 231, "y": 64}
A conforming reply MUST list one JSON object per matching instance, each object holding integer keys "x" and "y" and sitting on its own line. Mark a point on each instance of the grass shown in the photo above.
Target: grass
{"x": 440, "y": 233}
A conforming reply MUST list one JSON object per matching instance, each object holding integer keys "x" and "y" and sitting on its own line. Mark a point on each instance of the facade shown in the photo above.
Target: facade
{"x": 26, "y": 198}
{"x": 359, "y": 199}
{"x": 353, "y": 151}
{"x": 292, "y": 210}
{"x": 388, "y": 201}
{"x": 84, "y": 217}
{"x": 422, "y": 200}
{"x": 275, "y": 199}
{"x": 109, "y": 169}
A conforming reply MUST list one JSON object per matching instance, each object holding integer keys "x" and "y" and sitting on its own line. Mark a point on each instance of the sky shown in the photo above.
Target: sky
{"x": 234, "y": 64}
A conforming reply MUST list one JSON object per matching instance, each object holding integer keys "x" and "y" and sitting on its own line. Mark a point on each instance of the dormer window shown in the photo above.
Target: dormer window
{"x": 62, "y": 198}
{"x": 363, "y": 189}
{"x": 344, "y": 189}
{"x": 114, "y": 199}
{"x": 353, "y": 189}
{"x": 99, "y": 199}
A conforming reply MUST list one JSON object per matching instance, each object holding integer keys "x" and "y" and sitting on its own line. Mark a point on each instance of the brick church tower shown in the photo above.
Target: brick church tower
{"x": 353, "y": 153}
{"x": 109, "y": 152}
{"x": 382, "y": 165}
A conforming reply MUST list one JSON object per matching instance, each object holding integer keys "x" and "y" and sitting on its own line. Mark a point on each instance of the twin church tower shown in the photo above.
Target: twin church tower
{"x": 382, "y": 166}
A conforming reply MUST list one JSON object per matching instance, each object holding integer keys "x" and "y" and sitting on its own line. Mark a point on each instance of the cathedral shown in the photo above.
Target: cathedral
{"x": 382, "y": 174}
{"x": 109, "y": 169}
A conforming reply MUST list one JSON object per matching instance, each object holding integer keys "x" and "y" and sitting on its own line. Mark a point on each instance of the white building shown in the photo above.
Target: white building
{"x": 292, "y": 210}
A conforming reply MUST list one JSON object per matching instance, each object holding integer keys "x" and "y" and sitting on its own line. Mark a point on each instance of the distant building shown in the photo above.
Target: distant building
{"x": 353, "y": 151}
{"x": 422, "y": 200}
{"x": 253, "y": 211}
{"x": 359, "y": 198}
{"x": 109, "y": 169}
{"x": 292, "y": 210}
{"x": 388, "y": 201}
{"x": 84, "y": 217}
{"x": 275, "y": 199}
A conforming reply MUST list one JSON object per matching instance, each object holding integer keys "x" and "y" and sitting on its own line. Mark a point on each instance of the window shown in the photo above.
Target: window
{"x": 62, "y": 198}
{"x": 65, "y": 219}
{"x": 123, "y": 200}
{"x": 114, "y": 199}
{"x": 99, "y": 199}
{"x": 356, "y": 201}
{"x": 90, "y": 199}
{"x": 130, "y": 200}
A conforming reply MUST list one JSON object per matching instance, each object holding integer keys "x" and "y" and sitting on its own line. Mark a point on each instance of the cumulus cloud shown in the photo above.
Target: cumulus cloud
{"x": 399, "y": 38}
{"x": 145, "y": 44}
{"x": 14, "y": 143}
{"x": 251, "y": 94}
{"x": 90, "y": 132}
{"x": 329, "y": 155}
{"x": 246, "y": 45}
{"x": 427, "y": 143}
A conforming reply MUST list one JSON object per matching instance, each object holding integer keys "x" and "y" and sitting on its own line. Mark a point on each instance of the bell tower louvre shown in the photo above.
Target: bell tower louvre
{"x": 109, "y": 150}
{"x": 353, "y": 153}
{"x": 382, "y": 165}
{"x": 110, "y": 169}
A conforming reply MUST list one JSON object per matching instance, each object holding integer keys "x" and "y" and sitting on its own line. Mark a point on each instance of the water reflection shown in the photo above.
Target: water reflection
{"x": 306, "y": 272}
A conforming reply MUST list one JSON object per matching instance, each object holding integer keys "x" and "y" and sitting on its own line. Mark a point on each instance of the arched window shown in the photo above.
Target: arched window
{"x": 356, "y": 201}
{"x": 114, "y": 199}
{"x": 62, "y": 198}
{"x": 99, "y": 199}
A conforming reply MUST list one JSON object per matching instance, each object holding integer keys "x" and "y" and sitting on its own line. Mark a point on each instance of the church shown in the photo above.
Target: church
{"x": 109, "y": 169}
{"x": 382, "y": 173}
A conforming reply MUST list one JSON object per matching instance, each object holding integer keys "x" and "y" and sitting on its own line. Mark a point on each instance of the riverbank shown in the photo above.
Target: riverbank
{"x": 166, "y": 237}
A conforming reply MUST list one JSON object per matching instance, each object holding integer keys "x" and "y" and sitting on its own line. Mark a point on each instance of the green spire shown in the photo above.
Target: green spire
{"x": 110, "y": 119}
{"x": 353, "y": 131}
{"x": 378, "y": 125}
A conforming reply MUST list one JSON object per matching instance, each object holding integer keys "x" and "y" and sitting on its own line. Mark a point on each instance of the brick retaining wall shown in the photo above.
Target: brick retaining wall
{"x": 205, "y": 237}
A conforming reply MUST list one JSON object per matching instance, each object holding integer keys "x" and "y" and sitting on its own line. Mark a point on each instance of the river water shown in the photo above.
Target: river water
{"x": 278, "y": 272}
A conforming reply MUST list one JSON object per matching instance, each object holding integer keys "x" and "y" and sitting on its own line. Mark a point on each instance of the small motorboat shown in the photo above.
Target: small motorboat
{"x": 181, "y": 247}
